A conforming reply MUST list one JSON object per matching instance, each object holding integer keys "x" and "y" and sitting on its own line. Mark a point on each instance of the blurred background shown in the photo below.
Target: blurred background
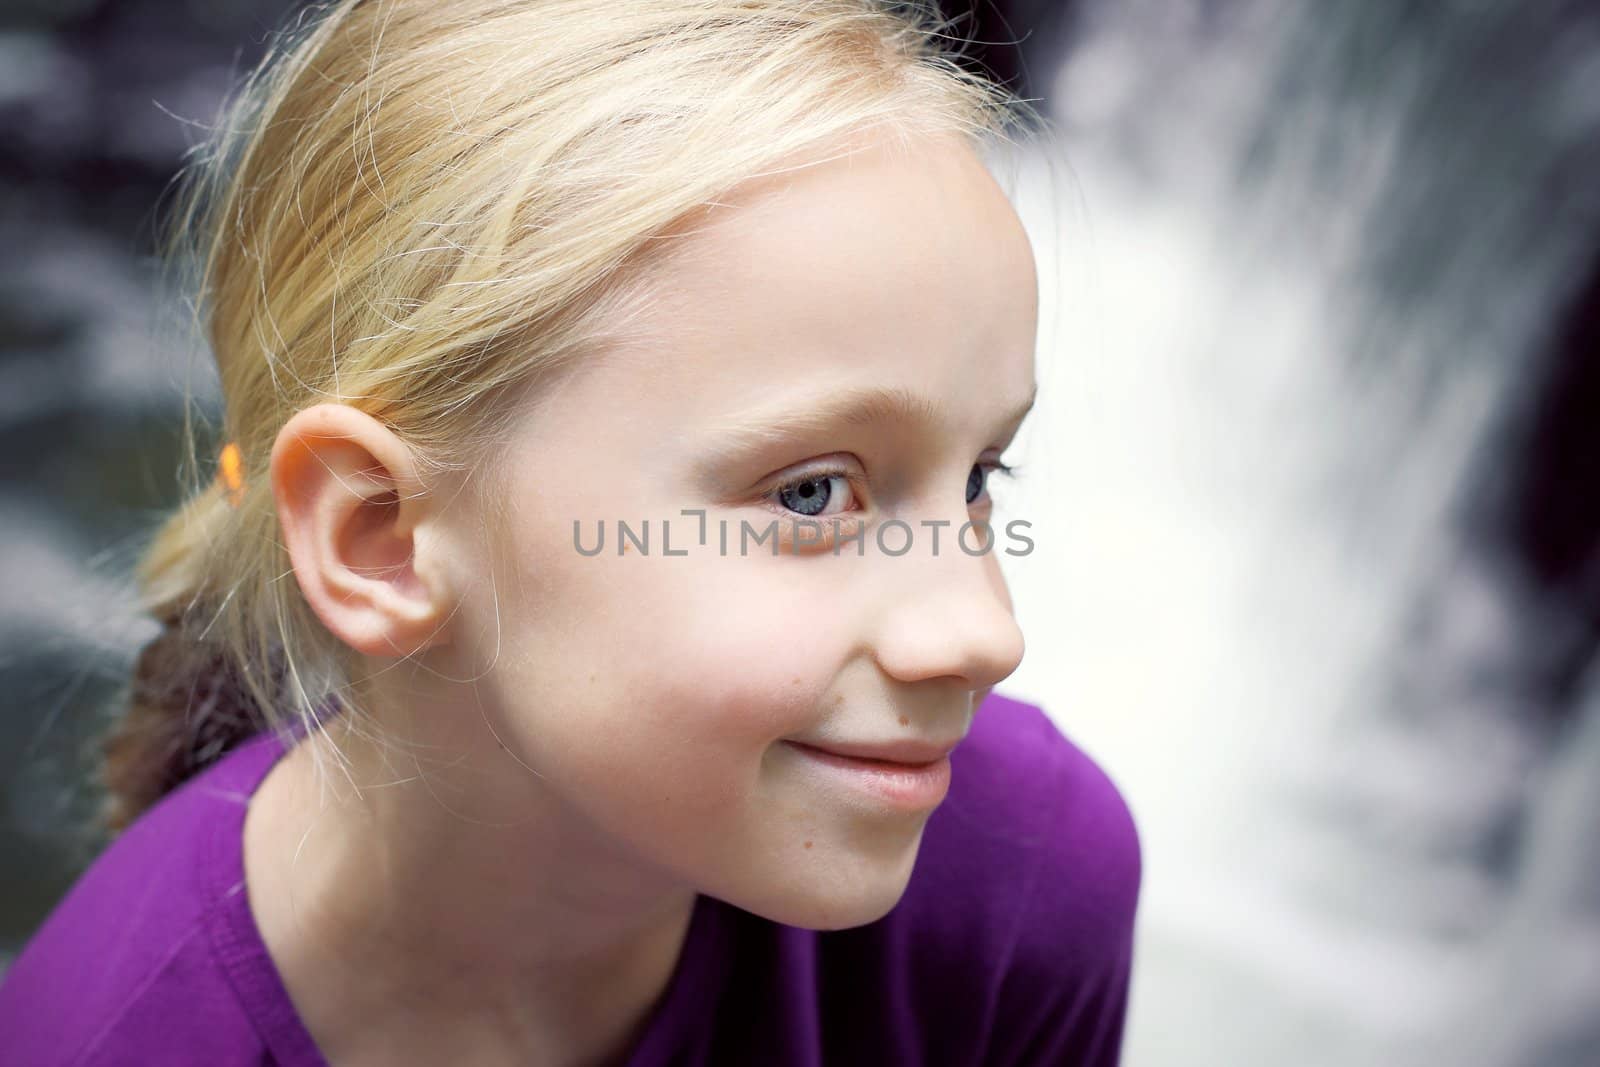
{"x": 1314, "y": 480}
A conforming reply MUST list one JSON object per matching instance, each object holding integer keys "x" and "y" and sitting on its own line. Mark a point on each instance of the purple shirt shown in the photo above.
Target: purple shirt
{"x": 1012, "y": 945}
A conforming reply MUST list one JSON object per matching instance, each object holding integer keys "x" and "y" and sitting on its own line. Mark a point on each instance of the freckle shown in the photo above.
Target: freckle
{"x": 795, "y": 680}
{"x": 808, "y": 844}
{"x": 838, "y": 699}
{"x": 592, "y": 677}
{"x": 904, "y": 721}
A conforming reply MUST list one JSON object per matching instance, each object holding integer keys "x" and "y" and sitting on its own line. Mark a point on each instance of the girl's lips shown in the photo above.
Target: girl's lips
{"x": 905, "y": 786}
{"x": 900, "y": 751}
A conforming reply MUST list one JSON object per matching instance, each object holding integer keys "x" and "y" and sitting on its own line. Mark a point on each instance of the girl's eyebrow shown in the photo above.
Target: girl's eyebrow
{"x": 836, "y": 407}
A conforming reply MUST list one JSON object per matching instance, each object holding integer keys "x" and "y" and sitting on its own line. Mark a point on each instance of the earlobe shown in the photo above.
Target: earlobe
{"x": 352, "y": 511}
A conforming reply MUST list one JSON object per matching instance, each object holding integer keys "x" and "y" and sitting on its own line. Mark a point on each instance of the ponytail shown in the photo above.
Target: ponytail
{"x": 188, "y": 703}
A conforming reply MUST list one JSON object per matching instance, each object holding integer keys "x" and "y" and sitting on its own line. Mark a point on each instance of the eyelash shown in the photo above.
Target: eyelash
{"x": 994, "y": 466}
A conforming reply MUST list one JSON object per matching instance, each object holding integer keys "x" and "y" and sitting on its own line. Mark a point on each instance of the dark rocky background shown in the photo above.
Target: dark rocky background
{"x": 99, "y": 101}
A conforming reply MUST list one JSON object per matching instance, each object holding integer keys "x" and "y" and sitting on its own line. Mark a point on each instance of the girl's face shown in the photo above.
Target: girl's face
{"x": 652, "y": 692}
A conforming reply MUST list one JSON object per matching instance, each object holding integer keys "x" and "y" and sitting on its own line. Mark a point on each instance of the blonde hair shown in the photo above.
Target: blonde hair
{"x": 425, "y": 210}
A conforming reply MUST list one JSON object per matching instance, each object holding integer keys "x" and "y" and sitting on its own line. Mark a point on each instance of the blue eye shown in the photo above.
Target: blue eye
{"x": 810, "y": 496}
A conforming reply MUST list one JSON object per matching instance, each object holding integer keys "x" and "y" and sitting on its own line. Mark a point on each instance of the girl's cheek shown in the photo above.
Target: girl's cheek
{"x": 751, "y": 645}
{"x": 751, "y": 676}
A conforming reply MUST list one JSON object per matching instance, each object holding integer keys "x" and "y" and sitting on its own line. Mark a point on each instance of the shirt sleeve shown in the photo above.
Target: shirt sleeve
{"x": 1064, "y": 993}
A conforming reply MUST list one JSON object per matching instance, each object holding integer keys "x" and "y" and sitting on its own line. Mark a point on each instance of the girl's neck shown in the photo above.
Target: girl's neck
{"x": 484, "y": 940}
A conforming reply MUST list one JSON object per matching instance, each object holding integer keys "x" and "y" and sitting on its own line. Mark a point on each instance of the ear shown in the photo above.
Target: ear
{"x": 352, "y": 510}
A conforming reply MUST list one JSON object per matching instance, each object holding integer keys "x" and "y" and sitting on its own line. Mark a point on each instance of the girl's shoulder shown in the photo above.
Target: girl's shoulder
{"x": 134, "y": 964}
{"x": 1041, "y": 812}
{"x": 1033, "y": 823}
{"x": 1028, "y": 881}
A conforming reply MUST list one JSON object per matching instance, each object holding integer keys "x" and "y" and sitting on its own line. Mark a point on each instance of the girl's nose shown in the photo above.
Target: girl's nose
{"x": 947, "y": 616}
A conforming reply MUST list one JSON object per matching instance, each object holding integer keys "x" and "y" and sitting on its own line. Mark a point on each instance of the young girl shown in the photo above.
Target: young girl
{"x": 418, "y": 774}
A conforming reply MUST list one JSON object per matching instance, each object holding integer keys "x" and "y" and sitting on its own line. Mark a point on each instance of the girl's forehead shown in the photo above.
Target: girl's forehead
{"x": 849, "y": 263}
{"x": 901, "y": 277}
{"x": 719, "y": 395}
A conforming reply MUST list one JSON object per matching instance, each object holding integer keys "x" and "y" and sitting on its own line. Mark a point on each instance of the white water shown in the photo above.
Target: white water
{"x": 1254, "y": 598}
